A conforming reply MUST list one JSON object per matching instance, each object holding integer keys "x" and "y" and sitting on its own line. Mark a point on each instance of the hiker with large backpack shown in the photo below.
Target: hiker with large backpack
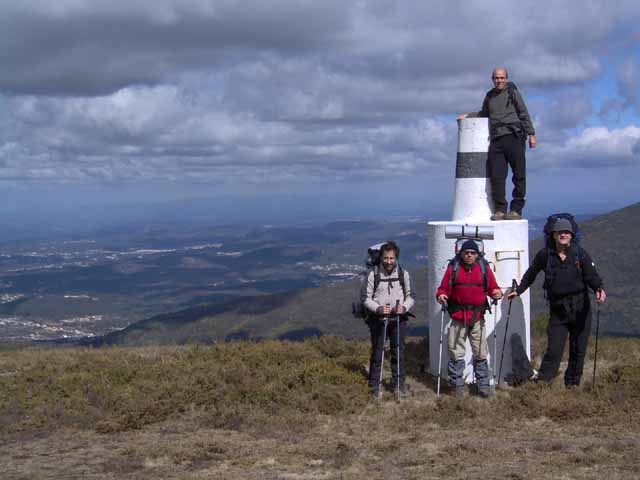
{"x": 388, "y": 299}
{"x": 465, "y": 286}
{"x": 569, "y": 273}
{"x": 509, "y": 127}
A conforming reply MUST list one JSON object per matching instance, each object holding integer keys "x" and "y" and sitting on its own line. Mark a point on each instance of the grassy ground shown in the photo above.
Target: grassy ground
{"x": 278, "y": 410}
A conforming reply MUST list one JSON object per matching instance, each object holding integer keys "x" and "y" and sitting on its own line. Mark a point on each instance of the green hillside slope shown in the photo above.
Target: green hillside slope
{"x": 611, "y": 239}
{"x": 292, "y": 315}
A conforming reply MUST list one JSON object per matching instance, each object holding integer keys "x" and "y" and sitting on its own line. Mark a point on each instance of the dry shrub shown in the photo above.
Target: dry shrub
{"x": 276, "y": 385}
{"x": 235, "y": 384}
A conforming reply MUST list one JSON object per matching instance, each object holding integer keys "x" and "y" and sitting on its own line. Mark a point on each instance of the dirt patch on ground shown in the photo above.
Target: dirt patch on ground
{"x": 386, "y": 440}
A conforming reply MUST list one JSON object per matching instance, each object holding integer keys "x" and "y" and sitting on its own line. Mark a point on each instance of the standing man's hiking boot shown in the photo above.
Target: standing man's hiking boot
{"x": 498, "y": 216}
{"x": 513, "y": 215}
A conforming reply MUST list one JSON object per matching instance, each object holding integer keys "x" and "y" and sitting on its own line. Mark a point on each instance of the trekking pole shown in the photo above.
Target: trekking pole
{"x": 384, "y": 340}
{"x": 514, "y": 285}
{"x": 444, "y": 308}
{"x": 397, "y": 351}
{"x": 495, "y": 339}
{"x": 595, "y": 355}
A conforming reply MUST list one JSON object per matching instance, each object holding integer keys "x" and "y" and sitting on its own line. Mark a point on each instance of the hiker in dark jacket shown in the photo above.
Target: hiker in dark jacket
{"x": 387, "y": 300}
{"x": 509, "y": 126}
{"x": 466, "y": 300}
{"x": 569, "y": 272}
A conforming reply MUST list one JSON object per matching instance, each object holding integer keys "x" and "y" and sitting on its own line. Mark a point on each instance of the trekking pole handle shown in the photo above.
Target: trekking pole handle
{"x": 514, "y": 285}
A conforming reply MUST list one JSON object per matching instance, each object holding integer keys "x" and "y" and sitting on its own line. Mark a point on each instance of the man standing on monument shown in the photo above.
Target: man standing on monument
{"x": 509, "y": 127}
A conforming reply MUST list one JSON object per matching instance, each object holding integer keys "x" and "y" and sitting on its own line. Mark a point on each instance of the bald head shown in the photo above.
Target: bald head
{"x": 500, "y": 77}
{"x": 500, "y": 71}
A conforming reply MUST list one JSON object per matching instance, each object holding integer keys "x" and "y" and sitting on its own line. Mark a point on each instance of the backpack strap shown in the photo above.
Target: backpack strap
{"x": 455, "y": 266}
{"x": 511, "y": 89}
{"x": 548, "y": 271}
{"x": 483, "y": 269}
{"x": 401, "y": 278}
{"x": 579, "y": 256}
{"x": 455, "y": 263}
{"x": 376, "y": 280}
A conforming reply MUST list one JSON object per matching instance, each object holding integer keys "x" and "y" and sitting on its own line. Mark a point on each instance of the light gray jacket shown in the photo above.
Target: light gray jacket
{"x": 389, "y": 290}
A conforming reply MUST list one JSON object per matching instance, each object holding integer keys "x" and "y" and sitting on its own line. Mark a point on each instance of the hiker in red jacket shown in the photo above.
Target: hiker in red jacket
{"x": 464, "y": 289}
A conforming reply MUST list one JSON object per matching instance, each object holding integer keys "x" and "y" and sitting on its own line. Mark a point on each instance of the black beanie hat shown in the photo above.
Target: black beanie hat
{"x": 469, "y": 245}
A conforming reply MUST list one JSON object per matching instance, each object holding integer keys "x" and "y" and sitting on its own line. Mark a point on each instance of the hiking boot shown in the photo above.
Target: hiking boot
{"x": 513, "y": 215}
{"x": 498, "y": 216}
{"x": 481, "y": 371}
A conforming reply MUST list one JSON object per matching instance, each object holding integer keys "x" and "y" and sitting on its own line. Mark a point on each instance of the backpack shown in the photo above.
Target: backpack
{"x": 551, "y": 220}
{"x": 455, "y": 264}
{"x": 511, "y": 92}
{"x": 548, "y": 243}
{"x": 373, "y": 265}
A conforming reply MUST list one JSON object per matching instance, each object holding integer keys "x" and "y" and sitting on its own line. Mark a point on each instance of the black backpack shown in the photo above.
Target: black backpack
{"x": 511, "y": 92}
{"x": 551, "y": 221}
{"x": 373, "y": 265}
{"x": 548, "y": 243}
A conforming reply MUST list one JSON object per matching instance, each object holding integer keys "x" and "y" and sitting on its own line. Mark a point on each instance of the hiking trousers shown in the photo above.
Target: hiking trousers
{"x": 504, "y": 152}
{"x": 477, "y": 334}
{"x": 570, "y": 316}
{"x": 376, "y": 328}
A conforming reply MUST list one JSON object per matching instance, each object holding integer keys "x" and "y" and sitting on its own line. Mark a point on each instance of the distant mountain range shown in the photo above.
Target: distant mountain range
{"x": 611, "y": 240}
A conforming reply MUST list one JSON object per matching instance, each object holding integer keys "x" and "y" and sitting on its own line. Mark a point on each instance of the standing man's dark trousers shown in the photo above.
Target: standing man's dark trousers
{"x": 570, "y": 316}
{"x": 504, "y": 152}
{"x": 376, "y": 327}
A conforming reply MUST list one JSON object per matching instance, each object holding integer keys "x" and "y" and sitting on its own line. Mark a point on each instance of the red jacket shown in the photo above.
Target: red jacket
{"x": 468, "y": 292}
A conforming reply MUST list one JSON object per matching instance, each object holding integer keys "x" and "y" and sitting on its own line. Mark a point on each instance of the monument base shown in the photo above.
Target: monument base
{"x": 508, "y": 255}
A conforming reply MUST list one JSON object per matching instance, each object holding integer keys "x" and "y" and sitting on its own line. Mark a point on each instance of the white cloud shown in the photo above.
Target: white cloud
{"x": 292, "y": 90}
{"x": 597, "y": 147}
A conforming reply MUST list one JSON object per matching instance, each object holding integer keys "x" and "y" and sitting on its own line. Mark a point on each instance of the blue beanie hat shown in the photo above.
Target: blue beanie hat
{"x": 469, "y": 245}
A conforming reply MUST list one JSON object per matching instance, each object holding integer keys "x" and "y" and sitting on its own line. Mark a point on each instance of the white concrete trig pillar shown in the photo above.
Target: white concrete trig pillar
{"x": 508, "y": 254}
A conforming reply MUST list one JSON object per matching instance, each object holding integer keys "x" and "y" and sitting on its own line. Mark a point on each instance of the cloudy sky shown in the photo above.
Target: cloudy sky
{"x": 294, "y": 106}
